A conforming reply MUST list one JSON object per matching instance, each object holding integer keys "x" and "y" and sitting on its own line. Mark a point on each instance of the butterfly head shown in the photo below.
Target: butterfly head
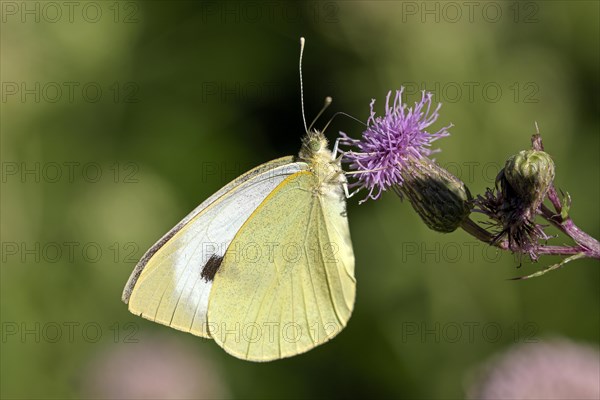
{"x": 314, "y": 147}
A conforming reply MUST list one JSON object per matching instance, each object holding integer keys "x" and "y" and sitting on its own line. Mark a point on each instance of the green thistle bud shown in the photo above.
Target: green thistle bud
{"x": 442, "y": 200}
{"x": 530, "y": 173}
{"x": 521, "y": 187}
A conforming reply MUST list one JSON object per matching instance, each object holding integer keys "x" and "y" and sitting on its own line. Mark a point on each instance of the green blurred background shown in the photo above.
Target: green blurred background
{"x": 118, "y": 118}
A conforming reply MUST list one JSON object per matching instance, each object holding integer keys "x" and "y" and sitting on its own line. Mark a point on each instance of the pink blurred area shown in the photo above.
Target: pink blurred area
{"x": 156, "y": 367}
{"x": 552, "y": 369}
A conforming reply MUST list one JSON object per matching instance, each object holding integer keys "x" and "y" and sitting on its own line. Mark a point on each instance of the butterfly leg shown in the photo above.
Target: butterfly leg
{"x": 336, "y": 149}
{"x": 345, "y": 186}
{"x": 348, "y": 194}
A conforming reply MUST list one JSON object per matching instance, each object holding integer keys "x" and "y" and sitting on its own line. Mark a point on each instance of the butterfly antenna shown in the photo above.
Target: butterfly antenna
{"x": 328, "y": 101}
{"x": 344, "y": 114}
{"x": 301, "y": 86}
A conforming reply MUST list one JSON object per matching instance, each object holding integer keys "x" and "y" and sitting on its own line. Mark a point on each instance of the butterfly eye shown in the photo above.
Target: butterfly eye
{"x": 315, "y": 145}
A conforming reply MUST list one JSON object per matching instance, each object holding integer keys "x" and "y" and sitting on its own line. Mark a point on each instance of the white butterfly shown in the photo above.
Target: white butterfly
{"x": 264, "y": 267}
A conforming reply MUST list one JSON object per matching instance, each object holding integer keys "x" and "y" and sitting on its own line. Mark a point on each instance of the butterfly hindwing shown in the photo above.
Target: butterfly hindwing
{"x": 286, "y": 283}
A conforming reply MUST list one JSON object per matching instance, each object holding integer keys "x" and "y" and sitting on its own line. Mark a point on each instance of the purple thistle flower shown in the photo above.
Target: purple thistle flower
{"x": 390, "y": 142}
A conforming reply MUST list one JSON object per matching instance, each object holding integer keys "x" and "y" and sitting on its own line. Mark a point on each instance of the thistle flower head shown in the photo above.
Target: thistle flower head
{"x": 381, "y": 156}
{"x": 530, "y": 173}
{"x": 441, "y": 199}
{"x": 513, "y": 204}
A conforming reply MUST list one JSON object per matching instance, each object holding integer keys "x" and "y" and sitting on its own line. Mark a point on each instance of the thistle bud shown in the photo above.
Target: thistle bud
{"x": 521, "y": 187}
{"x": 530, "y": 173}
{"x": 442, "y": 200}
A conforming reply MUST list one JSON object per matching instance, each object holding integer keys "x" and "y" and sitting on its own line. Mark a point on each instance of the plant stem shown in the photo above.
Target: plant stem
{"x": 588, "y": 245}
{"x": 472, "y": 228}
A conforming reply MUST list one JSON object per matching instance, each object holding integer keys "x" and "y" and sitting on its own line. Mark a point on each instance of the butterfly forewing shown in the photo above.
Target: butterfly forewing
{"x": 172, "y": 283}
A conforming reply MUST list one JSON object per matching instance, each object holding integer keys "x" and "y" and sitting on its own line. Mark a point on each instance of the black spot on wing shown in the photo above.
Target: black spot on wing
{"x": 211, "y": 267}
